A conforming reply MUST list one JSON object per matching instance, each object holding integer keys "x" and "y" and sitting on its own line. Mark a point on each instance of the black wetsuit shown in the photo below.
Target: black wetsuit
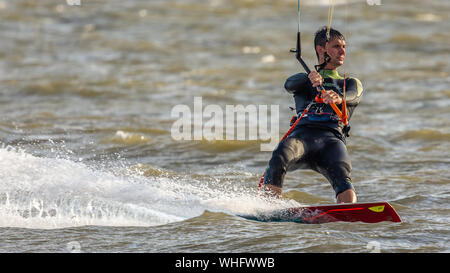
{"x": 318, "y": 140}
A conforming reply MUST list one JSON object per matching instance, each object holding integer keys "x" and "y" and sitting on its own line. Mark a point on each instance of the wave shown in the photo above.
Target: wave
{"x": 47, "y": 193}
{"x": 326, "y": 3}
{"x": 126, "y": 138}
{"x": 223, "y": 146}
{"x": 423, "y": 135}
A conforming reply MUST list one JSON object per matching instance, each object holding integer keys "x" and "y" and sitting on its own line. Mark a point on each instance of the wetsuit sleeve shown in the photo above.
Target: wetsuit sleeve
{"x": 354, "y": 91}
{"x": 297, "y": 83}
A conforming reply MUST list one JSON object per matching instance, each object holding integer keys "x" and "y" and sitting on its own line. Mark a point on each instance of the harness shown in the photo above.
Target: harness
{"x": 318, "y": 111}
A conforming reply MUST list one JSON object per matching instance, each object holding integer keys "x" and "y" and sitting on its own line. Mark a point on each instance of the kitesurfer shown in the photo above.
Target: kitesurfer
{"x": 318, "y": 141}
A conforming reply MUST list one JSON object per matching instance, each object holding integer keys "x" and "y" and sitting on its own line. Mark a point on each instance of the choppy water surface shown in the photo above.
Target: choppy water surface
{"x": 87, "y": 157}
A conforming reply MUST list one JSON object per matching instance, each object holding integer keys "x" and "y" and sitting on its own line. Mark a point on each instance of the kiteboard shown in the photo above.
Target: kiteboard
{"x": 356, "y": 212}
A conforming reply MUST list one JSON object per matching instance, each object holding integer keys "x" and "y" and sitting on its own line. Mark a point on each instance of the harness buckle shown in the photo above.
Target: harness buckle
{"x": 346, "y": 130}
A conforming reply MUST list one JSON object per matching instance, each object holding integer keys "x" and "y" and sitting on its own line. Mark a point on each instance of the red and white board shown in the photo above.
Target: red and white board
{"x": 357, "y": 212}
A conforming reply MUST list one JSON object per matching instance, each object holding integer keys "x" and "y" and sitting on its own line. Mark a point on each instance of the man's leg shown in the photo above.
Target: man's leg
{"x": 288, "y": 152}
{"x": 335, "y": 165}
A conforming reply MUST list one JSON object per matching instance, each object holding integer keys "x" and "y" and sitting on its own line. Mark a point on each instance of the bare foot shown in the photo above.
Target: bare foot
{"x": 348, "y": 196}
{"x": 272, "y": 191}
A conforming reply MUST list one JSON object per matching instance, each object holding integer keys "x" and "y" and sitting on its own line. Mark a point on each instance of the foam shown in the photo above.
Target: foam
{"x": 43, "y": 193}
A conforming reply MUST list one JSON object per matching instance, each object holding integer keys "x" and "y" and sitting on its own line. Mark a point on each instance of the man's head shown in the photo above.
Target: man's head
{"x": 335, "y": 48}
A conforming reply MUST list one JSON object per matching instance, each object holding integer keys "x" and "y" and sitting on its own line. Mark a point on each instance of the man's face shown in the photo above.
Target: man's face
{"x": 336, "y": 51}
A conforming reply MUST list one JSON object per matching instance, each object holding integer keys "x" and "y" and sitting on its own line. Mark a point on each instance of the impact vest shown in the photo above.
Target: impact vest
{"x": 320, "y": 114}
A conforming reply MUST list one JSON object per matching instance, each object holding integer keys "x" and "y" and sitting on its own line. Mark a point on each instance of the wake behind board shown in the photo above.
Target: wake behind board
{"x": 357, "y": 212}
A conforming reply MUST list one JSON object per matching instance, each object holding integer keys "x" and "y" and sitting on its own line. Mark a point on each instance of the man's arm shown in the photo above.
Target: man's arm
{"x": 297, "y": 83}
{"x": 354, "y": 91}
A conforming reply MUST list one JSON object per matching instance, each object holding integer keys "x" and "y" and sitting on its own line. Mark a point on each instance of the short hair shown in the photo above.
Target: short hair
{"x": 320, "y": 38}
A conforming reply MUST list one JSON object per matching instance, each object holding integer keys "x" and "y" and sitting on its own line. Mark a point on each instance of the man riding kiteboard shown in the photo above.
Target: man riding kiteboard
{"x": 317, "y": 141}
